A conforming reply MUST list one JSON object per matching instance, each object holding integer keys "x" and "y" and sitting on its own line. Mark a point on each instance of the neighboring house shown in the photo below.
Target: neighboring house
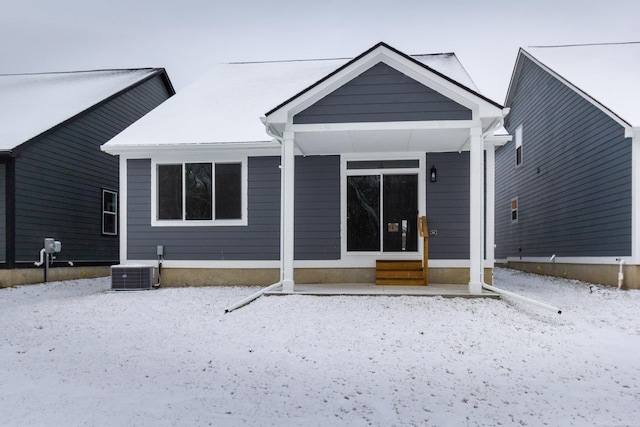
{"x": 311, "y": 171}
{"x": 55, "y": 182}
{"x": 568, "y": 185}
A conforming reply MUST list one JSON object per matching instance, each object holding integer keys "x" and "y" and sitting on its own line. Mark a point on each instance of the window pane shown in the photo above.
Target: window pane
{"x": 363, "y": 213}
{"x": 169, "y": 191}
{"x": 109, "y": 201}
{"x": 383, "y": 164}
{"x": 229, "y": 191}
{"x": 109, "y": 225}
{"x": 109, "y": 212}
{"x": 198, "y": 190}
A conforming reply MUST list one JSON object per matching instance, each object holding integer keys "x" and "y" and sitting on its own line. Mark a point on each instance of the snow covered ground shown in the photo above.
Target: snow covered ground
{"x": 72, "y": 354}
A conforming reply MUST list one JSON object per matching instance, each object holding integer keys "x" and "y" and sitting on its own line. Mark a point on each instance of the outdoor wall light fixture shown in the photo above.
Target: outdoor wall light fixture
{"x": 434, "y": 174}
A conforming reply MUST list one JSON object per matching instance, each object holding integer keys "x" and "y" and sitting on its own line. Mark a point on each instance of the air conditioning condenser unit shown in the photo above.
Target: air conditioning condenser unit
{"x": 131, "y": 277}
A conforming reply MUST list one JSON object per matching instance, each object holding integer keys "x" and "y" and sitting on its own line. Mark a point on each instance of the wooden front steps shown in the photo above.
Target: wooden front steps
{"x": 397, "y": 272}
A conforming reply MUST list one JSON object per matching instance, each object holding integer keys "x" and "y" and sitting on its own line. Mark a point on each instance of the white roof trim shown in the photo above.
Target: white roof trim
{"x": 479, "y": 106}
{"x": 582, "y": 93}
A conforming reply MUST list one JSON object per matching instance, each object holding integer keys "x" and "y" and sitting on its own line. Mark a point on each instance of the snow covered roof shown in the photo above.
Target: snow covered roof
{"x": 608, "y": 73}
{"x": 31, "y": 104}
{"x": 226, "y": 104}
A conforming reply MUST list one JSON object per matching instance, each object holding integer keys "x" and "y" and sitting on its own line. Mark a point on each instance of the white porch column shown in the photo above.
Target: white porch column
{"x": 476, "y": 217}
{"x": 287, "y": 174}
{"x": 490, "y": 206}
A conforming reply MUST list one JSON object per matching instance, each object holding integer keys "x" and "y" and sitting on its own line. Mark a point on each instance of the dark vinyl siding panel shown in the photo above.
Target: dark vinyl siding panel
{"x": 3, "y": 213}
{"x": 60, "y": 177}
{"x": 574, "y": 186}
{"x": 448, "y": 205}
{"x": 317, "y": 208}
{"x": 317, "y": 212}
{"x": 259, "y": 240}
{"x": 382, "y": 94}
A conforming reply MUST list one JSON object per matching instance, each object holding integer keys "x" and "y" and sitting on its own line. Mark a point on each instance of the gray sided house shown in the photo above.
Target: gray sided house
{"x": 567, "y": 193}
{"x": 314, "y": 172}
{"x": 55, "y": 182}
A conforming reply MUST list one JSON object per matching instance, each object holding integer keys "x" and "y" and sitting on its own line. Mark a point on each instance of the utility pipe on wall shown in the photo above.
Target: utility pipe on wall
{"x": 620, "y": 273}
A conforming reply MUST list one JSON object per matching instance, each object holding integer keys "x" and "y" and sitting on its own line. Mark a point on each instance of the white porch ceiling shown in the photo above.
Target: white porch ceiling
{"x": 382, "y": 141}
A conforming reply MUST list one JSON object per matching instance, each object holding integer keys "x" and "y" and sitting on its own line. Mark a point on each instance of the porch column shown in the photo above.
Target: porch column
{"x": 490, "y": 236}
{"x": 476, "y": 217}
{"x": 287, "y": 174}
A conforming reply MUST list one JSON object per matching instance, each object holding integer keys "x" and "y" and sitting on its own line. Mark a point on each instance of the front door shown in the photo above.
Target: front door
{"x": 400, "y": 207}
{"x": 382, "y": 213}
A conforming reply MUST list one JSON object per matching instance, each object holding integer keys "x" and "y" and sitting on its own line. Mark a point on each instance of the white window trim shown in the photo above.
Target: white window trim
{"x": 517, "y": 210}
{"x": 518, "y": 144}
{"x": 371, "y": 256}
{"x": 243, "y": 221}
{"x": 115, "y": 214}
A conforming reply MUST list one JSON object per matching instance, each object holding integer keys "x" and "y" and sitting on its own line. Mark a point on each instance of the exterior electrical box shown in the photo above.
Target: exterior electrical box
{"x": 131, "y": 277}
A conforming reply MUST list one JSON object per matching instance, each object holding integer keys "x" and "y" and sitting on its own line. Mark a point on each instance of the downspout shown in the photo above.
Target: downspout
{"x": 252, "y": 297}
{"x": 261, "y": 292}
{"x": 521, "y": 298}
{"x": 280, "y": 140}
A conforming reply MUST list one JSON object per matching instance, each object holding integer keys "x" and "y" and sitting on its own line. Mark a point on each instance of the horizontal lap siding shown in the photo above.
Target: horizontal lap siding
{"x": 260, "y": 240}
{"x": 448, "y": 205}
{"x": 60, "y": 177}
{"x": 317, "y": 208}
{"x": 382, "y": 94}
{"x": 574, "y": 186}
{"x": 3, "y": 214}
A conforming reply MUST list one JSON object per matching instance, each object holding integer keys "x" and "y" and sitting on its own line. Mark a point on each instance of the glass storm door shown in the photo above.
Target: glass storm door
{"x": 381, "y": 213}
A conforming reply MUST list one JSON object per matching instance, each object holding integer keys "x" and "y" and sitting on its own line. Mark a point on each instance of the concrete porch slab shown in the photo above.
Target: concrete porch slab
{"x": 434, "y": 290}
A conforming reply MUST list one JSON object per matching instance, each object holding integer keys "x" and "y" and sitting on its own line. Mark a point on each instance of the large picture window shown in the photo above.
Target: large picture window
{"x": 190, "y": 192}
{"x": 109, "y": 213}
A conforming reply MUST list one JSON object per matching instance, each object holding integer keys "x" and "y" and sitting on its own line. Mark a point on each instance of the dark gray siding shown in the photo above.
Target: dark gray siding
{"x": 574, "y": 185}
{"x": 382, "y": 94}
{"x": 317, "y": 226}
{"x": 448, "y": 205}
{"x": 60, "y": 176}
{"x": 317, "y": 208}
{"x": 259, "y": 240}
{"x": 3, "y": 214}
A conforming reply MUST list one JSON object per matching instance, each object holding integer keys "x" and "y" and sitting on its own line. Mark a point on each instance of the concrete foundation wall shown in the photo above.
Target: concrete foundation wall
{"x": 29, "y": 276}
{"x": 592, "y": 273}
{"x": 178, "y": 277}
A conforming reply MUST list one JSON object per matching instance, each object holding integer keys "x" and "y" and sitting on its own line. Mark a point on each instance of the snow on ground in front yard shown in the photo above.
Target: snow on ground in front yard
{"x": 73, "y": 354}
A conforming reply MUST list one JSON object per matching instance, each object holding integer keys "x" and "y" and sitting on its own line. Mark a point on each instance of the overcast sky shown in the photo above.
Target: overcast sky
{"x": 188, "y": 37}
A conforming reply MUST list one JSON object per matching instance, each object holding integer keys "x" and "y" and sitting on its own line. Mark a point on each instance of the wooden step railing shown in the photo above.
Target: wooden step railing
{"x": 423, "y": 229}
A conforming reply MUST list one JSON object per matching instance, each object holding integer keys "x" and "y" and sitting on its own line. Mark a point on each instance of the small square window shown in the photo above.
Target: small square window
{"x": 514, "y": 210}
{"x": 109, "y": 212}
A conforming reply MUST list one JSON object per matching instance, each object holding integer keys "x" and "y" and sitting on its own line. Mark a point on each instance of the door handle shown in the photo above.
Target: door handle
{"x": 405, "y": 225}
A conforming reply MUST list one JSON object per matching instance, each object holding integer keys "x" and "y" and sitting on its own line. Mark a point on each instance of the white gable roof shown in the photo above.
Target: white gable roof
{"x": 608, "y": 73}
{"x": 34, "y": 103}
{"x": 225, "y": 105}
